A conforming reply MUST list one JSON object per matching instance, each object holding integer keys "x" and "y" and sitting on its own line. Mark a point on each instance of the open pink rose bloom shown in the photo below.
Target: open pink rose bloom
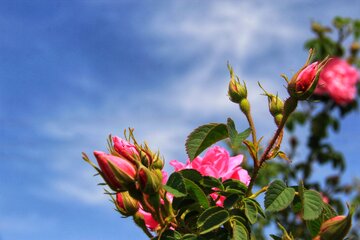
{"x": 338, "y": 79}
{"x": 216, "y": 163}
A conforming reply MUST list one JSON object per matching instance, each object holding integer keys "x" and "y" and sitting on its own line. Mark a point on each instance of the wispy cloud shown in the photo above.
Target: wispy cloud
{"x": 167, "y": 114}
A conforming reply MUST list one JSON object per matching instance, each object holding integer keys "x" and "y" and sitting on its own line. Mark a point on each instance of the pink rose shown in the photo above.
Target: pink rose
{"x": 306, "y": 77}
{"x": 216, "y": 163}
{"x": 124, "y": 148}
{"x": 125, "y": 169}
{"x": 338, "y": 80}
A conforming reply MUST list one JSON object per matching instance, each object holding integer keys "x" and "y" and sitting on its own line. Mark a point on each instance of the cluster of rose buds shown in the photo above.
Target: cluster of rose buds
{"x": 135, "y": 175}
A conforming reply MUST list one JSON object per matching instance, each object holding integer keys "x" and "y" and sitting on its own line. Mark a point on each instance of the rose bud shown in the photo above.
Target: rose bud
{"x": 125, "y": 204}
{"x": 276, "y": 106}
{"x": 336, "y": 227}
{"x": 150, "y": 181}
{"x": 237, "y": 91}
{"x": 117, "y": 172}
{"x": 124, "y": 148}
{"x": 306, "y": 77}
{"x": 304, "y": 82}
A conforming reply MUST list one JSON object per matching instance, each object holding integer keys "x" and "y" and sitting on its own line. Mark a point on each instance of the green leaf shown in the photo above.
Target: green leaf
{"x": 259, "y": 208}
{"x": 296, "y": 204}
{"x": 173, "y": 191}
{"x": 250, "y": 211}
{"x": 278, "y": 196}
{"x": 214, "y": 221}
{"x": 196, "y": 193}
{"x": 191, "y": 174}
{"x": 235, "y": 186}
{"x": 211, "y": 182}
{"x": 314, "y": 226}
{"x": 232, "y": 131}
{"x": 312, "y": 205}
{"x": 231, "y": 200}
{"x": 236, "y": 138}
{"x": 328, "y": 211}
{"x": 189, "y": 237}
{"x": 170, "y": 235}
{"x": 203, "y": 137}
{"x": 176, "y": 182}
{"x": 243, "y": 135}
{"x": 239, "y": 231}
{"x": 206, "y": 214}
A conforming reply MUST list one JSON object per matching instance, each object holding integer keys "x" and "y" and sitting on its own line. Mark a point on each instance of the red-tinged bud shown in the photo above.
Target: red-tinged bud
{"x": 306, "y": 77}
{"x": 304, "y": 82}
{"x": 150, "y": 181}
{"x": 237, "y": 91}
{"x": 117, "y": 172}
{"x": 125, "y": 204}
{"x": 124, "y": 148}
{"x": 336, "y": 227}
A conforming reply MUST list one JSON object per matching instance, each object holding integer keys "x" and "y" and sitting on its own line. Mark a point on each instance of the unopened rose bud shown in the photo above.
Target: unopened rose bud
{"x": 306, "y": 77}
{"x": 237, "y": 91}
{"x": 149, "y": 180}
{"x": 124, "y": 148}
{"x": 117, "y": 172}
{"x": 304, "y": 82}
{"x": 158, "y": 163}
{"x": 336, "y": 227}
{"x": 125, "y": 204}
{"x": 333, "y": 228}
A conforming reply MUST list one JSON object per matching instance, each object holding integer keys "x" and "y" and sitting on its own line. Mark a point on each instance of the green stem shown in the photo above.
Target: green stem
{"x": 259, "y": 192}
{"x": 252, "y": 127}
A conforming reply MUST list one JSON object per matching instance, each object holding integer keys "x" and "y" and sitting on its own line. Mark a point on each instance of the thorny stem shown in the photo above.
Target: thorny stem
{"x": 264, "y": 156}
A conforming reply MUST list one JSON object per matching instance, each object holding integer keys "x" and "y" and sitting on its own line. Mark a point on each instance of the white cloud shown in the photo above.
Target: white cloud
{"x": 237, "y": 29}
{"x": 219, "y": 30}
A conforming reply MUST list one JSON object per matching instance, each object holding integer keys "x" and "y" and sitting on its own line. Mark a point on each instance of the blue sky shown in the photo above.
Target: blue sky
{"x": 71, "y": 72}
